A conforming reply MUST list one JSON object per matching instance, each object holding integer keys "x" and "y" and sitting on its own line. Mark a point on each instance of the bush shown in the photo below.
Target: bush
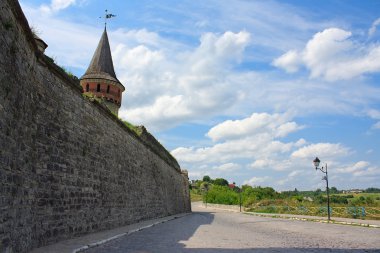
{"x": 297, "y": 198}
{"x": 220, "y": 181}
{"x": 369, "y": 200}
{"x": 339, "y": 199}
{"x": 222, "y": 195}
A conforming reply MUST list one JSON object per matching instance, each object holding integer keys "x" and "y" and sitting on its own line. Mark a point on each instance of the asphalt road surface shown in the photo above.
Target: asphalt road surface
{"x": 210, "y": 231}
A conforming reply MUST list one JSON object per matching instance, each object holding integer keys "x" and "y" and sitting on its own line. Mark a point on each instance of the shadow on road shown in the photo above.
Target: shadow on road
{"x": 172, "y": 236}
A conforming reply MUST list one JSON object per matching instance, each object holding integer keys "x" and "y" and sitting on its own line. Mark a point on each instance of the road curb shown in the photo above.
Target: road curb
{"x": 284, "y": 216}
{"x": 315, "y": 220}
{"x": 98, "y": 243}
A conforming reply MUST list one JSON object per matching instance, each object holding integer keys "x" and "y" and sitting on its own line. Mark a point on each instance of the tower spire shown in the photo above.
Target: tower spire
{"x": 100, "y": 78}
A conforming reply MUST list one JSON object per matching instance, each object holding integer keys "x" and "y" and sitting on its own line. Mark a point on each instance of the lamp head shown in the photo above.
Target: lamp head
{"x": 316, "y": 162}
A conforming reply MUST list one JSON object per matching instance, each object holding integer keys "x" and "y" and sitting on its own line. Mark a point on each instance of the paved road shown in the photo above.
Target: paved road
{"x": 211, "y": 231}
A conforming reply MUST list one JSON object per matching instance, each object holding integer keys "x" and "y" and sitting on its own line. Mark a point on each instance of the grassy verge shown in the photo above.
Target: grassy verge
{"x": 195, "y": 197}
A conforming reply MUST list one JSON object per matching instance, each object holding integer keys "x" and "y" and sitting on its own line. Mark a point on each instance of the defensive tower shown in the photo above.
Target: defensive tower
{"x": 100, "y": 78}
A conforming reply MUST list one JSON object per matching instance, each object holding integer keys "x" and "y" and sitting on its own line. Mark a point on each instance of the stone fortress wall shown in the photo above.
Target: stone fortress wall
{"x": 67, "y": 165}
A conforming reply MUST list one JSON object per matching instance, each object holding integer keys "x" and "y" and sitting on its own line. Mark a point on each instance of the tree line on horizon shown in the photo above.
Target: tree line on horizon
{"x": 220, "y": 191}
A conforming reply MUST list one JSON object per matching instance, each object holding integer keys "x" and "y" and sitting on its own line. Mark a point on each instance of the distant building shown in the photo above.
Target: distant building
{"x": 100, "y": 79}
{"x": 352, "y": 191}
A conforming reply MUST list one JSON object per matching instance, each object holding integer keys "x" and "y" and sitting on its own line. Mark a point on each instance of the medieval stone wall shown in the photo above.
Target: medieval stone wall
{"x": 68, "y": 166}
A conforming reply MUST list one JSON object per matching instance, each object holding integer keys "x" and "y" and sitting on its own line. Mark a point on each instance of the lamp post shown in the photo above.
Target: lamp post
{"x": 324, "y": 170}
{"x": 240, "y": 198}
{"x": 205, "y": 190}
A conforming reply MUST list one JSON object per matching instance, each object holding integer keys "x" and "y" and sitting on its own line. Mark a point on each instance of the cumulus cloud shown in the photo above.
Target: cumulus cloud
{"x": 170, "y": 81}
{"x": 359, "y": 170}
{"x": 326, "y": 150}
{"x": 156, "y": 69}
{"x": 290, "y": 61}
{"x": 254, "y": 139}
{"x": 277, "y": 125}
{"x": 254, "y": 148}
{"x": 256, "y": 143}
{"x": 333, "y": 55}
{"x": 180, "y": 87}
{"x": 355, "y": 167}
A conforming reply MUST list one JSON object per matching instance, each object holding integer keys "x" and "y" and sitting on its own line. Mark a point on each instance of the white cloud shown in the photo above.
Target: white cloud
{"x": 56, "y": 5}
{"x": 138, "y": 58}
{"x": 373, "y": 28}
{"x": 255, "y": 181}
{"x": 253, "y": 148}
{"x": 300, "y": 142}
{"x": 186, "y": 86}
{"x": 333, "y": 55}
{"x": 228, "y": 167}
{"x": 287, "y": 128}
{"x": 261, "y": 150}
{"x": 359, "y": 170}
{"x": 261, "y": 163}
{"x": 353, "y": 168}
{"x": 277, "y": 125}
{"x": 158, "y": 69}
{"x": 325, "y": 150}
{"x": 290, "y": 61}
{"x": 321, "y": 52}
{"x": 196, "y": 174}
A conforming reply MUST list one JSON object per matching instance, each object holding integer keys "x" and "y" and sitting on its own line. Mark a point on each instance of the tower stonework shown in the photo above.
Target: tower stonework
{"x": 100, "y": 79}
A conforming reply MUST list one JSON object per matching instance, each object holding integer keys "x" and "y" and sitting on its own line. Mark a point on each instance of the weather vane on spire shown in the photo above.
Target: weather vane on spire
{"x": 107, "y": 16}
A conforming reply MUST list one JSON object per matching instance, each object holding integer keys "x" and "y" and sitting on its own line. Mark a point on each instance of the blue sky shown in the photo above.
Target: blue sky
{"x": 250, "y": 91}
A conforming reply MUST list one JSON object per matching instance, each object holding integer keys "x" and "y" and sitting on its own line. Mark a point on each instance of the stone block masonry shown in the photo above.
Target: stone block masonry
{"x": 68, "y": 166}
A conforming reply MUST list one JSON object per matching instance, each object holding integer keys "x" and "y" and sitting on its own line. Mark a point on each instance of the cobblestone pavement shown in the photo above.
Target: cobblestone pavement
{"x": 209, "y": 231}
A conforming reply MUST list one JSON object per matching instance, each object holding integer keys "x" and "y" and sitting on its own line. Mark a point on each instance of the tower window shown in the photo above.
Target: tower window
{"x": 118, "y": 92}
{"x": 108, "y": 89}
{"x": 98, "y": 88}
{"x": 87, "y": 87}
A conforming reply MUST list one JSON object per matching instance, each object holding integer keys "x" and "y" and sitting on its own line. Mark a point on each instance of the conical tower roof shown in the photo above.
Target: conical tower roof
{"x": 101, "y": 65}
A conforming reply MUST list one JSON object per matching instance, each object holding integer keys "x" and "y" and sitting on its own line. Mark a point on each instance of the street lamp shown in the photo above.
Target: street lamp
{"x": 205, "y": 189}
{"x": 324, "y": 170}
{"x": 240, "y": 198}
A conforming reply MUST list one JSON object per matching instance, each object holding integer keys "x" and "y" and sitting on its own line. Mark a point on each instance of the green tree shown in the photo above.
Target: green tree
{"x": 220, "y": 181}
{"x": 372, "y": 190}
{"x": 334, "y": 190}
{"x": 206, "y": 179}
{"x": 317, "y": 192}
